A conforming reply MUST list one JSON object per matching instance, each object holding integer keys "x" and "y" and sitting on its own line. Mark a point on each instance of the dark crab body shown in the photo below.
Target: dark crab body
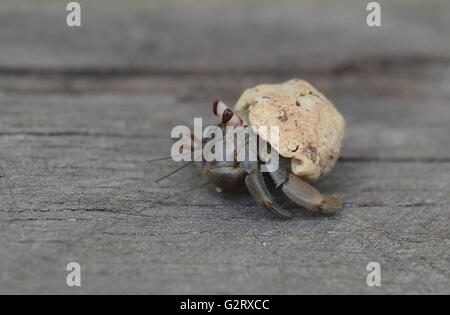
{"x": 247, "y": 175}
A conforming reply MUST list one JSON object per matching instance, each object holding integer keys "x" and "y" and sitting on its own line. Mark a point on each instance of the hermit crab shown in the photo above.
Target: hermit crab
{"x": 311, "y": 133}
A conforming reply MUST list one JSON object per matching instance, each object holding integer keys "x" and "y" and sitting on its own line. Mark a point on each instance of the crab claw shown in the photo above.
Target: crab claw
{"x": 229, "y": 118}
{"x": 309, "y": 197}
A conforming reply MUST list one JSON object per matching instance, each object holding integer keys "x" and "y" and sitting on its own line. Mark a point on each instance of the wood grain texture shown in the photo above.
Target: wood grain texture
{"x": 203, "y": 35}
{"x": 81, "y": 113}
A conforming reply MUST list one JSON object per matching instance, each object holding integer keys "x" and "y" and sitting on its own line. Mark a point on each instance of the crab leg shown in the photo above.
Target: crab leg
{"x": 309, "y": 197}
{"x": 258, "y": 189}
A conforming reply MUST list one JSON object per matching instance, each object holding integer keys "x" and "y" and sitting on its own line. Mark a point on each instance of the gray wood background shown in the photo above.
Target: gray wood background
{"x": 82, "y": 110}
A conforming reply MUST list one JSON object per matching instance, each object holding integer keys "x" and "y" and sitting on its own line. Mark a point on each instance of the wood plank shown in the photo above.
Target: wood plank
{"x": 407, "y": 120}
{"x": 196, "y": 35}
{"x": 98, "y": 205}
{"x": 75, "y": 186}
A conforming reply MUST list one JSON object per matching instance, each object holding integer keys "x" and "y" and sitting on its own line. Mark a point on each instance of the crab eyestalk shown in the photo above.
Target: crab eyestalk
{"x": 228, "y": 117}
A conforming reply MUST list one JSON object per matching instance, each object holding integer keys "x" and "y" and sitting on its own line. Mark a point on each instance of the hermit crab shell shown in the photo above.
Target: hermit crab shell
{"x": 311, "y": 130}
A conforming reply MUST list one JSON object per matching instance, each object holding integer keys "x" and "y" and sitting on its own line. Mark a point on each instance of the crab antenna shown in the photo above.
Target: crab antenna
{"x": 160, "y": 159}
{"x": 221, "y": 110}
{"x": 172, "y": 173}
{"x": 196, "y": 145}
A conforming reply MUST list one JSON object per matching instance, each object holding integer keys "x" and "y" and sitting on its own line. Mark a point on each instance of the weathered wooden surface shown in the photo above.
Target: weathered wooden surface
{"x": 81, "y": 112}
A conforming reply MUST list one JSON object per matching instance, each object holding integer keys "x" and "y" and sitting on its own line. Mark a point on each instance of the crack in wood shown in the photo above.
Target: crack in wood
{"x": 420, "y": 160}
{"x": 78, "y": 134}
{"x": 375, "y": 64}
{"x": 8, "y": 187}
